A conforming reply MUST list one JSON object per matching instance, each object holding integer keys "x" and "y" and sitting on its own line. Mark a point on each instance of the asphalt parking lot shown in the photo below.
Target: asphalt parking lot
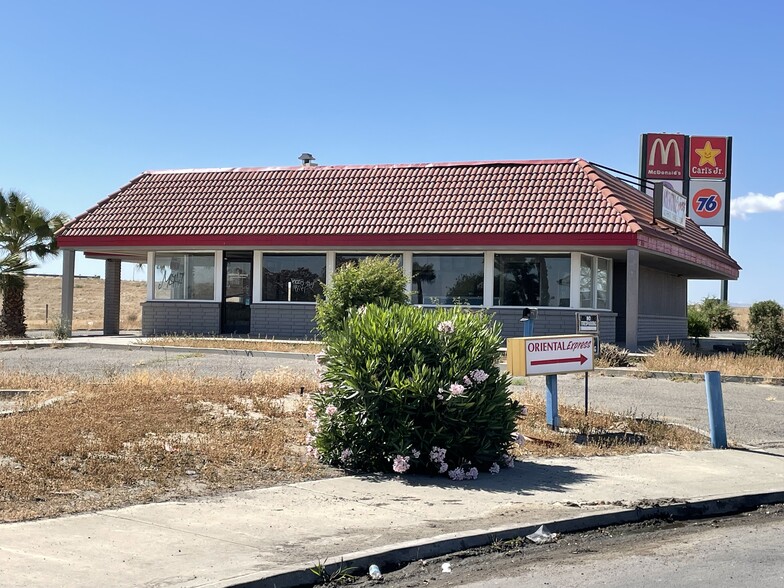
{"x": 754, "y": 412}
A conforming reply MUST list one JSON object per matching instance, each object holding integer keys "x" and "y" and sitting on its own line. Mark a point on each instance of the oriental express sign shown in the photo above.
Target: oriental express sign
{"x": 538, "y": 356}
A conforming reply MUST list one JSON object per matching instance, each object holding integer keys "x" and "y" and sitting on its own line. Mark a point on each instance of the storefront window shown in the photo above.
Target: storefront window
{"x": 342, "y": 259}
{"x": 447, "y": 279}
{"x": 602, "y": 283}
{"x": 184, "y": 276}
{"x": 531, "y": 280}
{"x": 292, "y": 277}
{"x": 586, "y": 281}
{"x": 594, "y": 282}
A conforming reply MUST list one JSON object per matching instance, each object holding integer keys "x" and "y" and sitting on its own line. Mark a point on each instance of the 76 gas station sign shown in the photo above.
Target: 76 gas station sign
{"x": 707, "y": 203}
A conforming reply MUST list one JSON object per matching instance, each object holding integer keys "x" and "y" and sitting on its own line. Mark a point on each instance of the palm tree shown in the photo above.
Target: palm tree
{"x": 26, "y": 232}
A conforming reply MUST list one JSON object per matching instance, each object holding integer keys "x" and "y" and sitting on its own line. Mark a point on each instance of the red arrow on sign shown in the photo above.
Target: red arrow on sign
{"x": 582, "y": 359}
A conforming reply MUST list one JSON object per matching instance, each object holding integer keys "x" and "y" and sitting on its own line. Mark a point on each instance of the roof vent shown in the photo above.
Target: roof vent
{"x": 307, "y": 159}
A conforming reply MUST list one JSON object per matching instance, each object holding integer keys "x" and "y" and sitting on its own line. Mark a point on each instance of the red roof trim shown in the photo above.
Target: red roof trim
{"x": 323, "y": 241}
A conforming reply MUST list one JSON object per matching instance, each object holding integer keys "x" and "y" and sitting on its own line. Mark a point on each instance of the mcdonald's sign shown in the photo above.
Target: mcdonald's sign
{"x": 665, "y": 156}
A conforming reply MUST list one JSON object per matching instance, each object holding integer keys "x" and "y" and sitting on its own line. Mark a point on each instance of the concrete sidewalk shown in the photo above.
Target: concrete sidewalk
{"x": 248, "y": 536}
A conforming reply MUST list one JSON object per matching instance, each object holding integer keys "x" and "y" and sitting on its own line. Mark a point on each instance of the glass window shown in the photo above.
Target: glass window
{"x": 184, "y": 276}
{"x": 602, "y": 283}
{"x": 448, "y": 279}
{"x": 595, "y": 282}
{"x": 292, "y": 277}
{"x": 531, "y": 280}
{"x": 586, "y": 281}
{"x": 342, "y": 259}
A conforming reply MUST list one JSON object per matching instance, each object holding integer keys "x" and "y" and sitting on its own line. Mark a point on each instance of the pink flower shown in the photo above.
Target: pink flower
{"x": 518, "y": 438}
{"x": 324, "y": 386}
{"x": 331, "y": 410}
{"x": 345, "y": 455}
{"x": 309, "y": 439}
{"x": 457, "y": 474}
{"x": 467, "y": 381}
{"x": 400, "y": 465}
{"x": 495, "y": 468}
{"x": 472, "y": 474}
{"x": 479, "y": 376}
{"x": 415, "y": 454}
{"x": 456, "y": 389}
{"x": 443, "y": 467}
{"x": 508, "y": 460}
{"x": 446, "y": 327}
{"x": 310, "y": 413}
{"x": 437, "y": 454}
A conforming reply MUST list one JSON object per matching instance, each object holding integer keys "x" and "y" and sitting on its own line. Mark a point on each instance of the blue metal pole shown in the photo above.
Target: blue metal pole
{"x": 718, "y": 429}
{"x": 551, "y": 400}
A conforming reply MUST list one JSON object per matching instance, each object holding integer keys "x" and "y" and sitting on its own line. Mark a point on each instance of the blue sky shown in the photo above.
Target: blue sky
{"x": 94, "y": 93}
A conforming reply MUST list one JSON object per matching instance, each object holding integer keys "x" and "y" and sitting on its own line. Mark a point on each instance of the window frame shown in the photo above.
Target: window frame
{"x": 152, "y": 269}
{"x": 565, "y": 255}
{"x": 262, "y": 255}
{"x": 408, "y": 269}
{"x": 577, "y": 265}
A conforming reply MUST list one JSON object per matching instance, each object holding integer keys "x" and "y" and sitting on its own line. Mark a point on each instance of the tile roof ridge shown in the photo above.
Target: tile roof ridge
{"x": 605, "y": 189}
{"x": 494, "y": 162}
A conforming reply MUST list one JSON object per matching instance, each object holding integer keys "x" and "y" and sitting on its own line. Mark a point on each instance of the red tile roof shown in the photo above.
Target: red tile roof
{"x": 526, "y": 203}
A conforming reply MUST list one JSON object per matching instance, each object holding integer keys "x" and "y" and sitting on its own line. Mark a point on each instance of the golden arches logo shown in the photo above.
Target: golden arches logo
{"x": 664, "y": 152}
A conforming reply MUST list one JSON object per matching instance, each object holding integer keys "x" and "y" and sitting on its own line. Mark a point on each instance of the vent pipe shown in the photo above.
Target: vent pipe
{"x": 307, "y": 159}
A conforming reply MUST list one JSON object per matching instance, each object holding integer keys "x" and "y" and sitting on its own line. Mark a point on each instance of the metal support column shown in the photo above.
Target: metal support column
{"x": 632, "y": 298}
{"x": 66, "y": 300}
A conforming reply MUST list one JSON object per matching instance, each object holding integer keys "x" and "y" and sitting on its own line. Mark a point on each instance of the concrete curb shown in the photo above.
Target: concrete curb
{"x": 394, "y": 556}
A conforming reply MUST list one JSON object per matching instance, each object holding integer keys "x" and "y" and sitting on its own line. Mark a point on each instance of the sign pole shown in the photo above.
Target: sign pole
{"x": 551, "y": 399}
{"x": 726, "y": 229}
{"x": 586, "y": 393}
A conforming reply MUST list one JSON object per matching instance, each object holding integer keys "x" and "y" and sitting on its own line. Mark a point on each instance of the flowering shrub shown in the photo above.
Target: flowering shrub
{"x": 354, "y": 286}
{"x": 410, "y": 390}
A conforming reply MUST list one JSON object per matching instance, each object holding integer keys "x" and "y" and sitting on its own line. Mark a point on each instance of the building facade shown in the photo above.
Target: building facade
{"x": 246, "y": 250}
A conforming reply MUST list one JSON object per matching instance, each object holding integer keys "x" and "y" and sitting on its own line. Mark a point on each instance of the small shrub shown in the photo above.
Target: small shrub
{"x": 613, "y": 356}
{"x": 412, "y": 389}
{"x": 370, "y": 281}
{"x": 698, "y": 323}
{"x": 61, "y": 328}
{"x": 760, "y": 312}
{"x": 721, "y": 316}
{"x": 767, "y": 337}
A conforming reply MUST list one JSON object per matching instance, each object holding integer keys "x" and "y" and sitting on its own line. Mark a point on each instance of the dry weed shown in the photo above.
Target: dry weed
{"x": 228, "y": 343}
{"x": 598, "y": 433}
{"x": 147, "y": 435}
{"x": 669, "y": 357}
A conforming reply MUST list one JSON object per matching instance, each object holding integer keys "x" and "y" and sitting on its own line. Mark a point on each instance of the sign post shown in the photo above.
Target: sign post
{"x": 588, "y": 323}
